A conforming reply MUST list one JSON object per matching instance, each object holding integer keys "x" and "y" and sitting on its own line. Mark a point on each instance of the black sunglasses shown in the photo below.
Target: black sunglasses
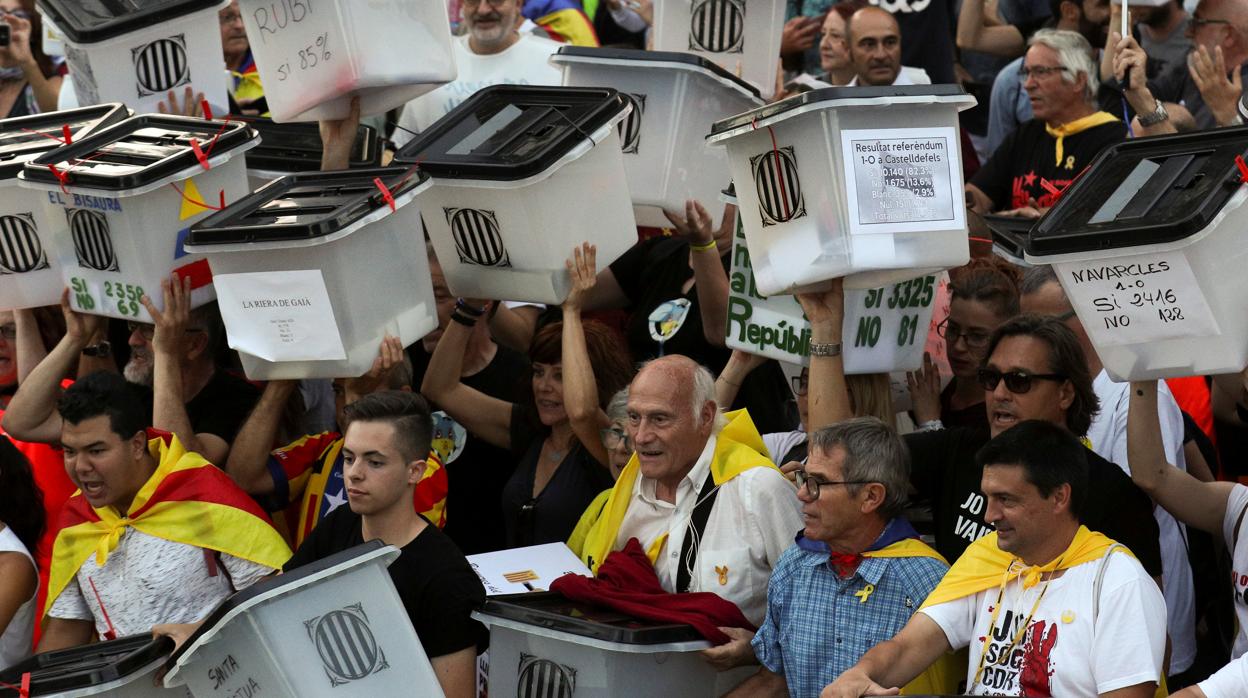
{"x": 1017, "y": 382}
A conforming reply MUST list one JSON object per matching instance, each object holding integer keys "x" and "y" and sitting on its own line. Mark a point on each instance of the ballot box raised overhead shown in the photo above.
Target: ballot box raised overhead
{"x": 1148, "y": 246}
{"x": 296, "y": 147}
{"x": 315, "y": 269}
{"x": 675, "y": 97}
{"x": 129, "y": 194}
{"x": 314, "y": 57}
{"x": 137, "y": 51}
{"x": 335, "y": 627}
{"x": 543, "y": 644}
{"x": 521, "y": 175}
{"x": 30, "y": 273}
{"x": 124, "y": 668}
{"x": 863, "y": 183}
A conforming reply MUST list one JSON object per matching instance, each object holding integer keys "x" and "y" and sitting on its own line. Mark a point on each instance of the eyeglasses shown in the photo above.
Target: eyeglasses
{"x": 149, "y": 331}
{"x": 1195, "y": 22}
{"x": 23, "y": 14}
{"x": 8, "y": 332}
{"x": 1040, "y": 71}
{"x": 812, "y": 483}
{"x": 951, "y": 333}
{"x": 615, "y": 437}
{"x": 1017, "y": 381}
{"x": 801, "y": 384}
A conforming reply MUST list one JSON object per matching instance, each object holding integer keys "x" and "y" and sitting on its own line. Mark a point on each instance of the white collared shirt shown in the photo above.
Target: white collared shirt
{"x": 905, "y": 76}
{"x": 755, "y": 517}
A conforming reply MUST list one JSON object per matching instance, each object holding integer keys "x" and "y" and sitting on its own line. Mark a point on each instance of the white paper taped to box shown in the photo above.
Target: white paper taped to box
{"x": 280, "y": 315}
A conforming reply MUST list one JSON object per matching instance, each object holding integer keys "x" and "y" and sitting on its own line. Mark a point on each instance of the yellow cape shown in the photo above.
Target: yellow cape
{"x": 1076, "y": 126}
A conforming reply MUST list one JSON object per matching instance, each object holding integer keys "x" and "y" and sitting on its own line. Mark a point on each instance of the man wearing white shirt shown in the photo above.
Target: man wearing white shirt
{"x": 874, "y": 39}
{"x": 1107, "y": 436}
{"x": 492, "y": 52}
{"x": 688, "y": 454}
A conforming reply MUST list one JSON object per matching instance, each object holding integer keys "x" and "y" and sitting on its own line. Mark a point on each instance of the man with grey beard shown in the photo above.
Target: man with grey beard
{"x": 172, "y": 362}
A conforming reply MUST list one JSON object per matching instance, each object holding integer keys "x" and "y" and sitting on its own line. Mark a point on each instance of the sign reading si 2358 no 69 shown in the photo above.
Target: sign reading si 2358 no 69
{"x": 282, "y": 18}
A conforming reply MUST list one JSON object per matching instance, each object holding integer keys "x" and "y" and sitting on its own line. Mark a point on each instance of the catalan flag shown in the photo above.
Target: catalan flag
{"x": 186, "y": 500}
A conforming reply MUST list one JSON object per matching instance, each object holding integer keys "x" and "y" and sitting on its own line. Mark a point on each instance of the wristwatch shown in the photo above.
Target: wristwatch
{"x": 103, "y": 350}
{"x": 825, "y": 349}
{"x": 1156, "y": 116}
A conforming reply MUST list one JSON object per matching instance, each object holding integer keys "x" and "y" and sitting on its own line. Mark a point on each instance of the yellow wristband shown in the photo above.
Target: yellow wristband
{"x": 703, "y": 247}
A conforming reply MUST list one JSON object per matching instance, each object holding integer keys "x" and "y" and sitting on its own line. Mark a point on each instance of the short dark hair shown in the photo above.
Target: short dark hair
{"x": 988, "y": 280}
{"x": 104, "y": 393}
{"x": 1049, "y": 455}
{"x": 1065, "y": 358}
{"x": 408, "y": 412}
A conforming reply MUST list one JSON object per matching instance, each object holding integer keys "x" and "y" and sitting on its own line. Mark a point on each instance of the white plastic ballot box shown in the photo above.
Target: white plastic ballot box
{"x": 137, "y": 51}
{"x": 122, "y": 668}
{"x": 129, "y": 194}
{"x": 542, "y": 644}
{"x": 313, "y": 270}
{"x": 1148, "y": 246}
{"x": 30, "y": 273}
{"x": 521, "y": 175}
{"x": 881, "y": 199}
{"x": 675, "y": 98}
{"x": 313, "y": 56}
{"x": 742, "y": 36}
{"x": 336, "y": 627}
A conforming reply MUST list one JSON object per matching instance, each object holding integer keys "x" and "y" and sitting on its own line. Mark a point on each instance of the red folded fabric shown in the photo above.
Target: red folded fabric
{"x": 626, "y": 582}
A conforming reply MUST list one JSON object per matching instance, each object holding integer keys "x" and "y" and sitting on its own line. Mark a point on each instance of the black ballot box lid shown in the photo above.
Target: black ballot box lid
{"x": 297, "y": 147}
{"x": 1145, "y": 191}
{"x": 138, "y": 151}
{"x": 61, "y": 671}
{"x": 1010, "y": 233}
{"x": 25, "y": 138}
{"x": 511, "y": 132}
{"x": 89, "y": 21}
{"x": 553, "y": 611}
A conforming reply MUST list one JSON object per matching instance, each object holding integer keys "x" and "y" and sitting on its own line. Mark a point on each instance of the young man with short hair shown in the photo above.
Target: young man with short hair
{"x": 387, "y": 439}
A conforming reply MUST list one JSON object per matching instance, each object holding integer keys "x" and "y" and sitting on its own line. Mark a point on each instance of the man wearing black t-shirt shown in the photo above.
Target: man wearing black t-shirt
{"x": 388, "y": 434}
{"x": 1035, "y": 164}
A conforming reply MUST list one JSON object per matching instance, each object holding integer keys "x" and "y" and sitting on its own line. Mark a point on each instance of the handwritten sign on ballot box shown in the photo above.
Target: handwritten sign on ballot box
{"x": 1127, "y": 300}
{"x": 885, "y": 328}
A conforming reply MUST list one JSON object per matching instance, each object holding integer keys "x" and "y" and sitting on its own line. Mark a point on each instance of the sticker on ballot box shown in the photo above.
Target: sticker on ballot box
{"x": 885, "y": 328}
{"x": 1132, "y": 300}
{"x": 902, "y": 180}
{"x": 280, "y": 315}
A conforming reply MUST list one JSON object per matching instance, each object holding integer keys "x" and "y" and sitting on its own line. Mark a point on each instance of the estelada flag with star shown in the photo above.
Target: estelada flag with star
{"x": 186, "y": 500}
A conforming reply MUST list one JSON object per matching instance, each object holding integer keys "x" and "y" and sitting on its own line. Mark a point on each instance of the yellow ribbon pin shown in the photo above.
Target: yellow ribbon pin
{"x": 1068, "y": 617}
{"x": 723, "y": 574}
{"x": 864, "y": 593}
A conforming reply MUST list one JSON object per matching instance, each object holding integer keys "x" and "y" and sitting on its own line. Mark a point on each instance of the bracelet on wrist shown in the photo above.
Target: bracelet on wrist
{"x": 703, "y": 246}
{"x": 827, "y": 349}
{"x": 465, "y": 320}
{"x": 463, "y": 306}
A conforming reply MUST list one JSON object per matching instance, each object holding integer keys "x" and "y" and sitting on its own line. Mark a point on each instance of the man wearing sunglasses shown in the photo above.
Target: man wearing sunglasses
{"x": 856, "y": 562}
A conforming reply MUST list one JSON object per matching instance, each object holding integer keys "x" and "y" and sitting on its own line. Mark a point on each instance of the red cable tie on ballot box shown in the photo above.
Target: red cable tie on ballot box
{"x": 23, "y": 689}
{"x": 203, "y": 104}
{"x": 1243, "y": 169}
{"x": 385, "y": 193}
{"x": 199, "y": 154}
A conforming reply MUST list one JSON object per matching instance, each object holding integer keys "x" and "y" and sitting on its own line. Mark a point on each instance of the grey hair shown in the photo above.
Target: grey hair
{"x": 873, "y": 453}
{"x": 704, "y": 391}
{"x": 1035, "y": 278}
{"x": 1074, "y": 53}
{"x": 617, "y": 408}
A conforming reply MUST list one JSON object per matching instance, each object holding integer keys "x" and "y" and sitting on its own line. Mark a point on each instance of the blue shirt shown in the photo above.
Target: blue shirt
{"x": 818, "y": 625}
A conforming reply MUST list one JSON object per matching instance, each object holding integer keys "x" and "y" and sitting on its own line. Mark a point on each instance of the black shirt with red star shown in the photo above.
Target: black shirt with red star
{"x": 1025, "y": 167}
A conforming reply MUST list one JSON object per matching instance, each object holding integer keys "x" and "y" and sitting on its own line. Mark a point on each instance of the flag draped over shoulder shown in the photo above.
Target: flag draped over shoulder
{"x": 186, "y": 500}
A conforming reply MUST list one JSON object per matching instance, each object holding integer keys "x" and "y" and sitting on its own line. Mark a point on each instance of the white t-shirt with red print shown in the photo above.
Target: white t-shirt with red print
{"x": 1239, "y": 562}
{"x": 1065, "y": 650}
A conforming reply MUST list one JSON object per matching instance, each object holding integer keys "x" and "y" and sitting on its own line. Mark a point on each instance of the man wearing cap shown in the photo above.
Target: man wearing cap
{"x": 700, "y": 495}
{"x": 1047, "y": 607}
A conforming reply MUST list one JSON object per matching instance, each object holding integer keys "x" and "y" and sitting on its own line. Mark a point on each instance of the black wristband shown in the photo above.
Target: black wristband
{"x": 465, "y": 320}
{"x": 468, "y": 309}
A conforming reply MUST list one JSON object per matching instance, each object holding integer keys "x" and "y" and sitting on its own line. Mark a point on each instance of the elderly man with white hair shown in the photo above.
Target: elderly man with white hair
{"x": 700, "y": 494}
{"x": 1036, "y": 163}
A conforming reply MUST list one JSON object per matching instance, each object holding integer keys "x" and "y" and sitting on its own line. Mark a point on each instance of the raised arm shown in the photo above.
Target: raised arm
{"x": 710, "y": 279}
{"x": 485, "y": 416}
{"x": 580, "y": 390}
{"x": 170, "y": 344}
{"x": 249, "y": 454}
{"x": 31, "y": 415}
{"x": 979, "y": 31}
{"x": 338, "y": 138}
{"x": 829, "y": 395}
{"x": 1128, "y": 56}
{"x": 515, "y": 327}
{"x": 1195, "y": 503}
{"x": 728, "y": 384}
{"x": 892, "y": 663}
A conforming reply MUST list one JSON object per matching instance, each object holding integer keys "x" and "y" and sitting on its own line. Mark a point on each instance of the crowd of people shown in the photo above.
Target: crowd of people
{"x": 1024, "y": 525}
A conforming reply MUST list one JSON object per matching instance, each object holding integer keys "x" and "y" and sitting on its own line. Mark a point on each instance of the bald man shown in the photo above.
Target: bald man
{"x": 874, "y": 39}
{"x": 689, "y": 457}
